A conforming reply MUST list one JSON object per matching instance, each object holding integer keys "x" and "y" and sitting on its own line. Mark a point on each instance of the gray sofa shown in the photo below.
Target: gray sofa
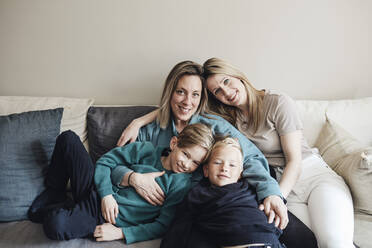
{"x": 100, "y": 127}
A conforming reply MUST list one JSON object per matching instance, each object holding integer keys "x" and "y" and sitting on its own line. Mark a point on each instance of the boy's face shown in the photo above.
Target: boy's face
{"x": 185, "y": 160}
{"x": 225, "y": 166}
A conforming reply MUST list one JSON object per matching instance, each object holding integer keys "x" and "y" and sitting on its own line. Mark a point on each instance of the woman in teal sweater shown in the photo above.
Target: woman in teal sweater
{"x": 184, "y": 102}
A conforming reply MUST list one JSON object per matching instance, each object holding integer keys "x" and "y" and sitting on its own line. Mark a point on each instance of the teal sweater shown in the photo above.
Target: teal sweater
{"x": 138, "y": 219}
{"x": 256, "y": 168}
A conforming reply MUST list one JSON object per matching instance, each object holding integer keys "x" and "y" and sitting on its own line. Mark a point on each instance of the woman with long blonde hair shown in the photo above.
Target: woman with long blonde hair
{"x": 270, "y": 120}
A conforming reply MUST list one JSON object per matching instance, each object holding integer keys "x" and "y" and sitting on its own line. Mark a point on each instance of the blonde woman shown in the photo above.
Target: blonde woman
{"x": 183, "y": 102}
{"x": 270, "y": 120}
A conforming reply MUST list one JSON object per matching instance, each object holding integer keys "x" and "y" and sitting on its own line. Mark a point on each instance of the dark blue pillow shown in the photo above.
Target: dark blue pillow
{"x": 26, "y": 144}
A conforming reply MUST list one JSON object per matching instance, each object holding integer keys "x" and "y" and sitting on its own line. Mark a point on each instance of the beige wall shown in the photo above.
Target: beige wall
{"x": 119, "y": 52}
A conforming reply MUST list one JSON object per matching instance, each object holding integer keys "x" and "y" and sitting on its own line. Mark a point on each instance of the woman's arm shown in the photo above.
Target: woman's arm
{"x": 291, "y": 145}
{"x": 130, "y": 133}
{"x": 256, "y": 167}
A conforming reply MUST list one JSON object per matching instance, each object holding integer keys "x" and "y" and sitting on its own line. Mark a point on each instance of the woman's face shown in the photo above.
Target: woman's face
{"x": 227, "y": 89}
{"x": 186, "y": 97}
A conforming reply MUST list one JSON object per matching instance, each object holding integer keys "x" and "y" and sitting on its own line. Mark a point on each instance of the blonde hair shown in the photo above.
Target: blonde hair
{"x": 232, "y": 114}
{"x": 179, "y": 70}
{"x": 227, "y": 141}
{"x": 196, "y": 134}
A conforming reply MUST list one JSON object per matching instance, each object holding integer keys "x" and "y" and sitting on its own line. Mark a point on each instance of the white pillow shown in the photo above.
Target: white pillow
{"x": 313, "y": 117}
{"x": 354, "y": 116}
{"x": 74, "y": 113}
{"x": 350, "y": 159}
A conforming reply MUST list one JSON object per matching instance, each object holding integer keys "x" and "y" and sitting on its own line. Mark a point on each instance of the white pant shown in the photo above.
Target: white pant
{"x": 322, "y": 200}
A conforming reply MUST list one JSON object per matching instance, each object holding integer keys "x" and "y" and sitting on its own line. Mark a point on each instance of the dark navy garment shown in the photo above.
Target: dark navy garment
{"x": 220, "y": 216}
{"x": 65, "y": 219}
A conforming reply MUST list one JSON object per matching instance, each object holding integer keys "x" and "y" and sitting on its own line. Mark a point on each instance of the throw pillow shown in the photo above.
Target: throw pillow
{"x": 355, "y": 117}
{"x": 105, "y": 125}
{"x": 26, "y": 145}
{"x": 351, "y": 160}
{"x": 74, "y": 114}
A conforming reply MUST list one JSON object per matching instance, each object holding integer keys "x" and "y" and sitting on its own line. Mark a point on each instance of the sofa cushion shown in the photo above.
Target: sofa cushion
{"x": 105, "y": 125}
{"x": 74, "y": 114}
{"x": 355, "y": 116}
{"x": 350, "y": 159}
{"x": 26, "y": 145}
{"x": 312, "y": 114}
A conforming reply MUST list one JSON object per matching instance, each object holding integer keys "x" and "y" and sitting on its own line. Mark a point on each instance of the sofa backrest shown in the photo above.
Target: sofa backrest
{"x": 355, "y": 116}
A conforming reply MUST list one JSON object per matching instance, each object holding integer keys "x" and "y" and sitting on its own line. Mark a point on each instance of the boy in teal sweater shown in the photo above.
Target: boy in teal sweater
{"x": 123, "y": 207}
{"x": 109, "y": 208}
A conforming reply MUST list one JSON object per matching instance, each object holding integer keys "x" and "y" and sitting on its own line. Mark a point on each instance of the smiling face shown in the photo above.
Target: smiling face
{"x": 227, "y": 89}
{"x": 185, "y": 159}
{"x": 224, "y": 166}
{"x": 186, "y": 98}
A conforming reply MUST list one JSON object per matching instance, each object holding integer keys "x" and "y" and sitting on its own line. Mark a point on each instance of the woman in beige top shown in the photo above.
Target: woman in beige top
{"x": 315, "y": 193}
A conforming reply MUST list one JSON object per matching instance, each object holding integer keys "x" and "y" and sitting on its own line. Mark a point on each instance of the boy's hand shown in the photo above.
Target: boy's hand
{"x": 275, "y": 208}
{"x": 109, "y": 208}
{"x": 108, "y": 232}
{"x": 146, "y": 186}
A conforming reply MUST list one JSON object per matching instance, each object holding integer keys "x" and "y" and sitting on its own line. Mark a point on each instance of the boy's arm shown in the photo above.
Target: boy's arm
{"x": 123, "y": 157}
{"x": 159, "y": 226}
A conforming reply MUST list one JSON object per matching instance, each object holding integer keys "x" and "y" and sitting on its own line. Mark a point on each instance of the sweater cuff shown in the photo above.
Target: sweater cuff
{"x": 274, "y": 190}
{"x": 117, "y": 175}
{"x": 105, "y": 191}
{"x": 128, "y": 234}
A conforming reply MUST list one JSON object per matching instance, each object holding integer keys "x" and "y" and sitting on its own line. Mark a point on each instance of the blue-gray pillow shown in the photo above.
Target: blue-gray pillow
{"x": 26, "y": 144}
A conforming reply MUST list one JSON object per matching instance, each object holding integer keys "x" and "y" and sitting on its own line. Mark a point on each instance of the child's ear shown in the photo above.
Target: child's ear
{"x": 173, "y": 142}
{"x": 205, "y": 170}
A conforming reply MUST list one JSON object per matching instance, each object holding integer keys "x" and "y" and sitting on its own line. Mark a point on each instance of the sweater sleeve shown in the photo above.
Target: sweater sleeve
{"x": 152, "y": 230}
{"x": 256, "y": 167}
{"x": 117, "y": 162}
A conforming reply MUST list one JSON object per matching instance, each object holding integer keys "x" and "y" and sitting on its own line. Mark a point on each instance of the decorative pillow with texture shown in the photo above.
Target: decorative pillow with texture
{"x": 26, "y": 145}
{"x": 354, "y": 116}
{"x": 351, "y": 160}
{"x": 105, "y": 125}
{"x": 74, "y": 114}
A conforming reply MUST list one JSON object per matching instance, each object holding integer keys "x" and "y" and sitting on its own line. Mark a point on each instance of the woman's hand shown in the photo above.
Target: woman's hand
{"x": 274, "y": 208}
{"x": 130, "y": 133}
{"x": 109, "y": 208}
{"x": 146, "y": 186}
{"x": 107, "y": 232}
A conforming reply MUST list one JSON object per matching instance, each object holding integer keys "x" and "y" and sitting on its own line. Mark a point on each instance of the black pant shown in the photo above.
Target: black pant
{"x": 71, "y": 161}
{"x": 296, "y": 234}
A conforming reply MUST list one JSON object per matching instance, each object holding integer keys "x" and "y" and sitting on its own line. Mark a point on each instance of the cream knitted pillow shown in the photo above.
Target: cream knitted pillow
{"x": 74, "y": 113}
{"x": 351, "y": 160}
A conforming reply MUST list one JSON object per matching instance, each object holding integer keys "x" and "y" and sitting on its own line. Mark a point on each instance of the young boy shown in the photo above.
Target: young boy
{"x": 221, "y": 210}
{"x": 125, "y": 214}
